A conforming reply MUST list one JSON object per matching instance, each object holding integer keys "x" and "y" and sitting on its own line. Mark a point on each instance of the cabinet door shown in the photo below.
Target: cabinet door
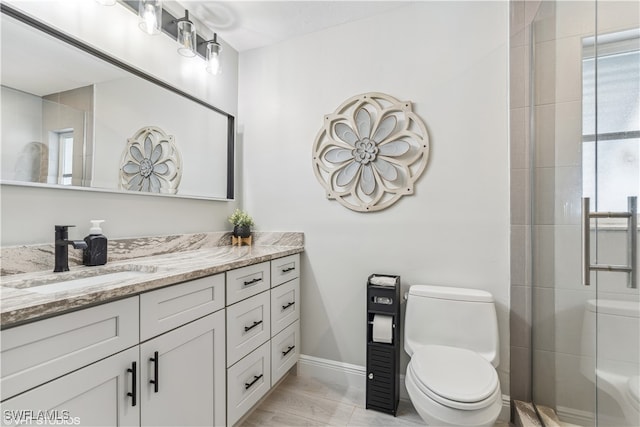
{"x": 248, "y": 326}
{"x": 247, "y": 281}
{"x": 184, "y": 384}
{"x": 167, "y": 308}
{"x": 249, "y": 380}
{"x": 284, "y": 269}
{"x": 41, "y": 351}
{"x": 285, "y": 351}
{"x": 92, "y": 396}
{"x": 285, "y": 305}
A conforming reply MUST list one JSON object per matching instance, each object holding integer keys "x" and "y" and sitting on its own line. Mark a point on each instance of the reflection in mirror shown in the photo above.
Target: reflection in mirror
{"x": 70, "y": 112}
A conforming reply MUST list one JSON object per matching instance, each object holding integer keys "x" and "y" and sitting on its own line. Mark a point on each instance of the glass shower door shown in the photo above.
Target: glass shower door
{"x": 611, "y": 180}
{"x": 585, "y": 144}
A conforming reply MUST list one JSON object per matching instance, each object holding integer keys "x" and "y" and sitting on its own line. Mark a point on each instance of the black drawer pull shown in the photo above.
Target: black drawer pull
{"x": 134, "y": 380}
{"x": 256, "y": 323}
{"x": 256, "y": 378}
{"x": 291, "y": 347}
{"x": 251, "y": 282}
{"x": 156, "y": 363}
{"x": 286, "y": 270}
{"x": 284, "y": 307}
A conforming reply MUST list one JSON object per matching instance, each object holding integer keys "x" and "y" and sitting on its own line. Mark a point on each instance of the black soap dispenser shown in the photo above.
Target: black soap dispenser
{"x": 96, "y": 251}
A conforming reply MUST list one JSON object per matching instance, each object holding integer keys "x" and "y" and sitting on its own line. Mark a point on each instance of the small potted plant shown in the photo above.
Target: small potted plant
{"x": 242, "y": 222}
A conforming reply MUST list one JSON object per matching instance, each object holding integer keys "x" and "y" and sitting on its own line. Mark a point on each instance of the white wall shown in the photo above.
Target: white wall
{"x": 18, "y": 127}
{"x": 29, "y": 213}
{"x": 451, "y": 60}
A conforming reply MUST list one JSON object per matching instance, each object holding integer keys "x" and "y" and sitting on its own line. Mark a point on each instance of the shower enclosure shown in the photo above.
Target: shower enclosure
{"x": 585, "y": 178}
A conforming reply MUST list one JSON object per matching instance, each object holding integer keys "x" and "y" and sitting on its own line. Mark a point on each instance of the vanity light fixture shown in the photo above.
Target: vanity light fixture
{"x": 154, "y": 19}
{"x": 213, "y": 55}
{"x": 150, "y": 14}
{"x": 186, "y": 36}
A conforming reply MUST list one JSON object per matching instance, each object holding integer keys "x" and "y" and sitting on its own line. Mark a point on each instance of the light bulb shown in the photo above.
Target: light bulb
{"x": 213, "y": 65}
{"x": 187, "y": 38}
{"x": 148, "y": 23}
{"x": 150, "y": 13}
{"x": 213, "y": 56}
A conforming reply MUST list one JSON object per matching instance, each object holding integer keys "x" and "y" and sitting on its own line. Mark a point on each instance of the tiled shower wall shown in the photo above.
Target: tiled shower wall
{"x": 521, "y": 17}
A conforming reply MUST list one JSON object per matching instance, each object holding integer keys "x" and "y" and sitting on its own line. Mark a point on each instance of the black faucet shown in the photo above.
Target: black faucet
{"x": 61, "y": 245}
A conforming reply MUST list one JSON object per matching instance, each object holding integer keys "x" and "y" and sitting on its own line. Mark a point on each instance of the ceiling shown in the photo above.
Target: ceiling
{"x": 250, "y": 24}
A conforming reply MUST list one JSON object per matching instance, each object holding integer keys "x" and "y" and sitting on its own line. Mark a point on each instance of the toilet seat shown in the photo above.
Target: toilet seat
{"x": 454, "y": 377}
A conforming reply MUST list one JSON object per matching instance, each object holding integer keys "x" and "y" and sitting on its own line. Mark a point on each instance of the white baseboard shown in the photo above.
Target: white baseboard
{"x": 575, "y": 416}
{"x": 349, "y": 375}
{"x": 331, "y": 371}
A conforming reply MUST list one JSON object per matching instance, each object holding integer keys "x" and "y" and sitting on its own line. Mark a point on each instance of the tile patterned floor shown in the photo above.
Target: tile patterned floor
{"x": 304, "y": 401}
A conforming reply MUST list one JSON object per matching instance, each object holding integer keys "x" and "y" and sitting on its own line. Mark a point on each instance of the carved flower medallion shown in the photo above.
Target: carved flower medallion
{"x": 151, "y": 163}
{"x": 370, "y": 152}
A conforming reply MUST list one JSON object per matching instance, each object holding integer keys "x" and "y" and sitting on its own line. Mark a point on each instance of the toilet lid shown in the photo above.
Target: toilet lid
{"x": 454, "y": 374}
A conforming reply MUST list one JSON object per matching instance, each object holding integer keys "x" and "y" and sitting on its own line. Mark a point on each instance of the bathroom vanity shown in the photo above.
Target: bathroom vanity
{"x": 196, "y": 338}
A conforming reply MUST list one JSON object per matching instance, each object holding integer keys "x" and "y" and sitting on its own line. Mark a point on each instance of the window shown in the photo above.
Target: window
{"x": 611, "y": 134}
{"x": 66, "y": 158}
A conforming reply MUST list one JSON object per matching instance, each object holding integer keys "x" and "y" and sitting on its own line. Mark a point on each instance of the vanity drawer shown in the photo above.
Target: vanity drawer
{"x": 248, "y": 326}
{"x": 167, "y": 308}
{"x": 38, "y": 352}
{"x": 247, "y": 281}
{"x": 285, "y": 351}
{"x": 285, "y": 269}
{"x": 247, "y": 381}
{"x": 285, "y": 305}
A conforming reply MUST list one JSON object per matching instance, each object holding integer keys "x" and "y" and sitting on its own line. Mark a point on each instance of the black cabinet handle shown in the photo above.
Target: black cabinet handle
{"x": 286, "y": 270}
{"x": 256, "y": 323}
{"x": 284, "y": 307}
{"x": 134, "y": 380}
{"x": 247, "y": 386}
{"x": 291, "y": 347}
{"x": 156, "y": 363}
{"x": 251, "y": 282}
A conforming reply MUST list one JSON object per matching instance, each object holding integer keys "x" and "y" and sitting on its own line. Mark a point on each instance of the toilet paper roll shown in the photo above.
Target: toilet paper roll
{"x": 382, "y": 328}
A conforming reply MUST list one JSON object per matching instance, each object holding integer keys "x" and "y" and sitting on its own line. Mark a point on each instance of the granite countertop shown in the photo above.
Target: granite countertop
{"x": 19, "y": 303}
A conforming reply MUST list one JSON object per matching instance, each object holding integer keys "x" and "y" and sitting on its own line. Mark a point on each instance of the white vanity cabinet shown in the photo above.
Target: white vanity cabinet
{"x": 201, "y": 352}
{"x": 263, "y": 332}
{"x": 168, "y": 367}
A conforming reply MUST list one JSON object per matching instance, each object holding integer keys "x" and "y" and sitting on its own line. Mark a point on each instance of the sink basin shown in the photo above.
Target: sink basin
{"x": 72, "y": 280}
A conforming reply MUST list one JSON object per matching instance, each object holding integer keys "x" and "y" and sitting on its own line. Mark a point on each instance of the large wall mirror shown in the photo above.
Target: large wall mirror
{"x": 73, "y": 117}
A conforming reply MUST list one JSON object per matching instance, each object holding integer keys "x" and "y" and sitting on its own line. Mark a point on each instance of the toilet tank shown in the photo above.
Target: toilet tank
{"x": 616, "y": 325}
{"x": 456, "y": 317}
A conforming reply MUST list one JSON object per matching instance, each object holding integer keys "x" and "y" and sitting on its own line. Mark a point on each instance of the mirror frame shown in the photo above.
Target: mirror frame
{"x": 39, "y": 25}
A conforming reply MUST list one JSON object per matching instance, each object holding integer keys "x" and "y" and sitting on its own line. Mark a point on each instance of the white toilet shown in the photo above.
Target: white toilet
{"x": 610, "y": 330}
{"x": 451, "y": 335}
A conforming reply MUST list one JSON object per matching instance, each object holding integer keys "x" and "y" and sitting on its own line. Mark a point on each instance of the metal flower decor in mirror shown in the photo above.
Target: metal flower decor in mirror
{"x": 151, "y": 162}
{"x": 370, "y": 152}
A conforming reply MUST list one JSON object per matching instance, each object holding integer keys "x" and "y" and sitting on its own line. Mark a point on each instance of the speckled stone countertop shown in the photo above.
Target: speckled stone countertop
{"x": 179, "y": 261}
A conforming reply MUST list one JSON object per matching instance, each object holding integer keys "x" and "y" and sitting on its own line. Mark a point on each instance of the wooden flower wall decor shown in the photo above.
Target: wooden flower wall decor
{"x": 370, "y": 152}
{"x": 151, "y": 162}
